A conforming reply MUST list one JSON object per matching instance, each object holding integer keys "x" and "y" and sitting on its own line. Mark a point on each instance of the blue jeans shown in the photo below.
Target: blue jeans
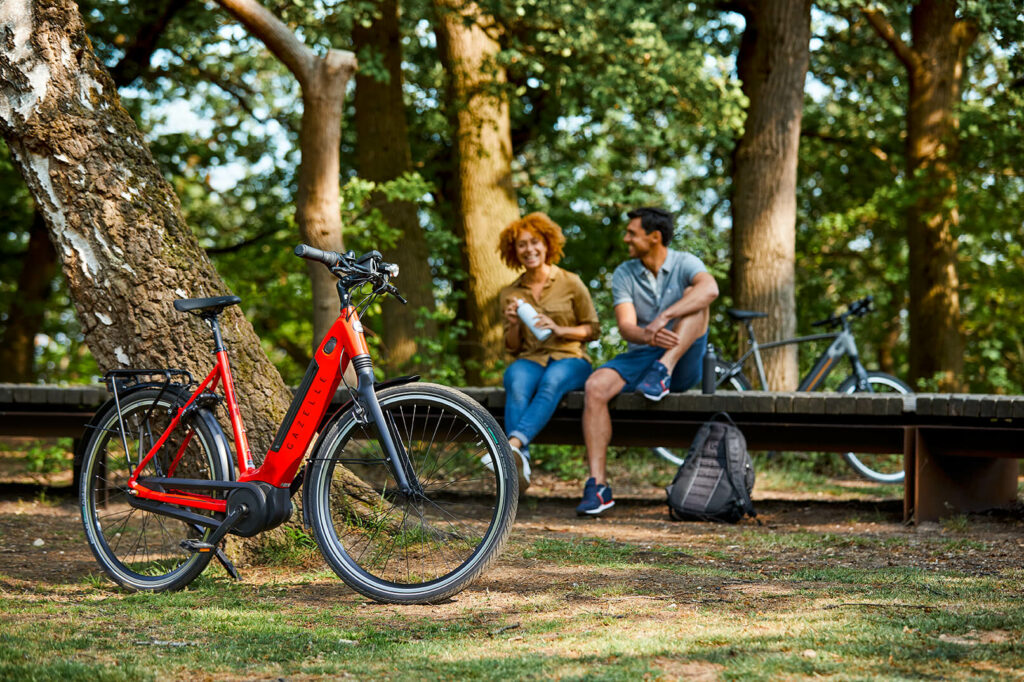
{"x": 532, "y": 392}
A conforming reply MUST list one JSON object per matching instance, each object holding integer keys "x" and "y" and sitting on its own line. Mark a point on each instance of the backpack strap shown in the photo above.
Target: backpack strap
{"x": 734, "y": 467}
{"x": 724, "y": 415}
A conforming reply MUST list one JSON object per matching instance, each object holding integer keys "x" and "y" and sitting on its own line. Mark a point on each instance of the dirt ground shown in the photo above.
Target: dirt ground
{"x": 41, "y": 538}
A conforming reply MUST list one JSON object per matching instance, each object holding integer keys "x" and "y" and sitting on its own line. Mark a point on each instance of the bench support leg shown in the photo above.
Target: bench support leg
{"x": 938, "y": 486}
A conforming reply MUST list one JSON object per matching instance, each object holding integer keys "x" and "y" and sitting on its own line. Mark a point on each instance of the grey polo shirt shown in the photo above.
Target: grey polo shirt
{"x": 633, "y": 283}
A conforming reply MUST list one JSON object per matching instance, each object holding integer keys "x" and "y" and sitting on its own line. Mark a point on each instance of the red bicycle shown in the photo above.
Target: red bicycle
{"x": 410, "y": 488}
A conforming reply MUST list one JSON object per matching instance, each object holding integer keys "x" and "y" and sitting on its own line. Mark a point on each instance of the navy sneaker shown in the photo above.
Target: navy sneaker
{"x": 655, "y": 383}
{"x": 596, "y": 499}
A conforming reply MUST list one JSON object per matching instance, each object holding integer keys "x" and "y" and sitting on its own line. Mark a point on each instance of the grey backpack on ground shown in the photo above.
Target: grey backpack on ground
{"x": 714, "y": 481}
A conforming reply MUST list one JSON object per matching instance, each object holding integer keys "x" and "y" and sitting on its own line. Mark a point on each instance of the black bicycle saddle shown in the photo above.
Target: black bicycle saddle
{"x": 208, "y": 306}
{"x": 744, "y": 314}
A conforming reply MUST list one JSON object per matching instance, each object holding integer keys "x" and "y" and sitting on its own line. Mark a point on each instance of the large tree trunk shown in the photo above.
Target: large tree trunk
{"x": 934, "y": 64}
{"x": 485, "y": 198}
{"x": 772, "y": 66}
{"x": 384, "y": 154}
{"x": 25, "y": 316}
{"x": 116, "y": 223}
{"x": 318, "y": 203}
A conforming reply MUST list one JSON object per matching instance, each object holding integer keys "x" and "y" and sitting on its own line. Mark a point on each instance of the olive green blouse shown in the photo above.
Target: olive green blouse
{"x": 567, "y": 302}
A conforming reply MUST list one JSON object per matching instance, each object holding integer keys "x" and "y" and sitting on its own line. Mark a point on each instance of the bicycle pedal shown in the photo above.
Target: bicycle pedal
{"x": 193, "y": 545}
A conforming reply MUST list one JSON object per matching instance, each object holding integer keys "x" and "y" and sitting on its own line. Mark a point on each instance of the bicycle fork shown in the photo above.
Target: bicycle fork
{"x": 394, "y": 451}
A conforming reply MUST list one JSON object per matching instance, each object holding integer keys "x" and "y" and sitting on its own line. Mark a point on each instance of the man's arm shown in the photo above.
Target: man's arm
{"x": 698, "y": 296}
{"x": 625, "y": 317}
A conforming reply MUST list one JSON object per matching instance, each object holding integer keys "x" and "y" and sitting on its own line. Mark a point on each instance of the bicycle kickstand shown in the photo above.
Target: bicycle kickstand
{"x": 195, "y": 545}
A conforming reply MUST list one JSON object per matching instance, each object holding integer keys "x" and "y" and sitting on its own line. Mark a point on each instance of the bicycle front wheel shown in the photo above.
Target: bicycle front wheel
{"x": 139, "y": 549}
{"x": 424, "y": 544}
{"x": 877, "y": 468}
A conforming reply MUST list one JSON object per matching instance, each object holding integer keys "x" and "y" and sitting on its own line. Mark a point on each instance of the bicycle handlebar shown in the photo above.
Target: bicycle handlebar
{"x": 353, "y": 271}
{"x": 856, "y": 309}
{"x": 370, "y": 263}
{"x": 329, "y": 258}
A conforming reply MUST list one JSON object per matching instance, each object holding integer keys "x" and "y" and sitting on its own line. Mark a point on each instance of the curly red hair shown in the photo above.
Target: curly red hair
{"x": 539, "y": 224}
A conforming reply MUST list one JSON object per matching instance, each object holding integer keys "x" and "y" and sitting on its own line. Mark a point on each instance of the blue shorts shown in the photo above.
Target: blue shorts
{"x": 633, "y": 365}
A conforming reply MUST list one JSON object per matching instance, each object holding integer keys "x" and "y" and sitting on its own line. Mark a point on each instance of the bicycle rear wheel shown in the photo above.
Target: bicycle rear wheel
{"x": 877, "y": 468}
{"x": 139, "y": 549}
{"x": 421, "y": 546}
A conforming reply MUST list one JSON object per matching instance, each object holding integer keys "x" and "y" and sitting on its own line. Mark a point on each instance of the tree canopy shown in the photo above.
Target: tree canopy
{"x": 611, "y": 106}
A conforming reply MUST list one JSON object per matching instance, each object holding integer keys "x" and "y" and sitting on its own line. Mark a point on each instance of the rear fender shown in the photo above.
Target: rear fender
{"x": 222, "y": 451}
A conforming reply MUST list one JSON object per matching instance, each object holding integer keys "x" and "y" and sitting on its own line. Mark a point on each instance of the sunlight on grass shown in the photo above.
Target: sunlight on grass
{"x": 852, "y": 596}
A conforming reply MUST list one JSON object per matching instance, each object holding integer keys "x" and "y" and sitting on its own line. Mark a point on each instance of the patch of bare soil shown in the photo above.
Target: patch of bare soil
{"x": 42, "y": 542}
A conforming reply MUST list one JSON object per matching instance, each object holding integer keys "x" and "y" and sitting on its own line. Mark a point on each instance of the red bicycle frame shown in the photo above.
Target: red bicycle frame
{"x": 342, "y": 343}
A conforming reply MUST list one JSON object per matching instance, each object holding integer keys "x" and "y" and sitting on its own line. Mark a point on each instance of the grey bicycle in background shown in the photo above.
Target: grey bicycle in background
{"x": 730, "y": 376}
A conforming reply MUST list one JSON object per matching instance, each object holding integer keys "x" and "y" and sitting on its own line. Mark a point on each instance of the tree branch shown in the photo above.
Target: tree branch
{"x": 886, "y": 32}
{"x": 138, "y": 54}
{"x": 278, "y": 38}
{"x": 231, "y": 248}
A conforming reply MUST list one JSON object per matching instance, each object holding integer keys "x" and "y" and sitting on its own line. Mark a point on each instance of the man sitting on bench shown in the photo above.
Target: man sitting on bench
{"x": 661, "y": 299}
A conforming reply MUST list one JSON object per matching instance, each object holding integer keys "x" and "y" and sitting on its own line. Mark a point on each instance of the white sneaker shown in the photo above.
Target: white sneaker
{"x": 522, "y": 466}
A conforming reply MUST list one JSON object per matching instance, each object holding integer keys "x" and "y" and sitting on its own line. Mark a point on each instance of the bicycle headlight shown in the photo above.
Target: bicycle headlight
{"x": 391, "y": 269}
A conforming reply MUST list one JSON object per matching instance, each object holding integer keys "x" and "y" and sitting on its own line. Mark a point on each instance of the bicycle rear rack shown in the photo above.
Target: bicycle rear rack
{"x": 120, "y": 380}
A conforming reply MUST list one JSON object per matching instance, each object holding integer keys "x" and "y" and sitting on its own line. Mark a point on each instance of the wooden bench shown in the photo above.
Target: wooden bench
{"x": 959, "y": 450}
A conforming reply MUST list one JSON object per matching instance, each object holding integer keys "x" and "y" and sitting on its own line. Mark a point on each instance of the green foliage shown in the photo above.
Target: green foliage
{"x": 287, "y": 545}
{"x": 613, "y": 105}
{"x": 854, "y": 192}
{"x": 42, "y": 457}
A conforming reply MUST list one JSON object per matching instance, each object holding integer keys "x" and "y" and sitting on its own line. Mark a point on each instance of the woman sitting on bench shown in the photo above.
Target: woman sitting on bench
{"x": 550, "y": 361}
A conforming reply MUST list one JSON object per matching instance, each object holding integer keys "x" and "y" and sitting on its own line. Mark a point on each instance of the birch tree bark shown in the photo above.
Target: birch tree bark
{"x": 485, "y": 198}
{"x": 124, "y": 248}
{"x": 318, "y": 203}
{"x": 382, "y": 142}
{"x": 25, "y": 316}
{"x": 773, "y": 62}
{"x": 934, "y": 62}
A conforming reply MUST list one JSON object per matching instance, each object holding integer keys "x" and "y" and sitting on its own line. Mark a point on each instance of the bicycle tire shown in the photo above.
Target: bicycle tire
{"x": 737, "y": 382}
{"x": 426, "y": 546}
{"x": 877, "y": 468}
{"x": 139, "y": 549}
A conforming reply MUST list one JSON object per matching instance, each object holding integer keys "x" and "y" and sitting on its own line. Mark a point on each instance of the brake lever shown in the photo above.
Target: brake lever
{"x": 394, "y": 292}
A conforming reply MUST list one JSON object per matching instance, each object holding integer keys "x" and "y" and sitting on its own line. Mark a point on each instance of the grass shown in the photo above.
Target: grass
{"x": 625, "y": 612}
{"x": 850, "y": 598}
{"x": 824, "y": 474}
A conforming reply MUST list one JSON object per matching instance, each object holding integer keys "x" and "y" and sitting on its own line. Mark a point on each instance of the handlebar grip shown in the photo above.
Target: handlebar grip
{"x": 328, "y": 258}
